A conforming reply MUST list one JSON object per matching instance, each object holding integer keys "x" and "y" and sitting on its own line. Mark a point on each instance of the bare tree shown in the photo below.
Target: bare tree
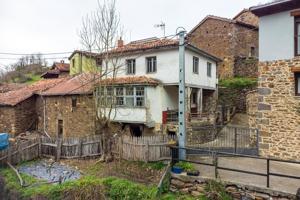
{"x": 100, "y": 32}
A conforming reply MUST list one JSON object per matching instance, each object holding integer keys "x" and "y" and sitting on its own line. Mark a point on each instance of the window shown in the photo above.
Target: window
{"x": 297, "y": 36}
{"x": 130, "y": 66}
{"x": 99, "y": 62}
{"x": 151, "y": 64}
{"x": 140, "y": 93}
{"x": 196, "y": 65}
{"x": 252, "y": 52}
{"x": 119, "y": 96}
{"x": 129, "y": 96}
{"x": 73, "y": 62}
{"x": 74, "y": 102}
{"x": 129, "y": 99}
{"x": 297, "y": 84}
{"x": 208, "y": 69}
{"x": 60, "y": 128}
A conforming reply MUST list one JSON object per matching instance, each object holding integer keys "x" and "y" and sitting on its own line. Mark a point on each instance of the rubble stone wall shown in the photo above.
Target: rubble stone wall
{"x": 77, "y": 121}
{"x": 277, "y": 110}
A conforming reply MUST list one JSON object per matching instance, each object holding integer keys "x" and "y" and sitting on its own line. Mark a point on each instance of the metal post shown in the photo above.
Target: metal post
{"x": 235, "y": 140}
{"x": 182, "y": 103}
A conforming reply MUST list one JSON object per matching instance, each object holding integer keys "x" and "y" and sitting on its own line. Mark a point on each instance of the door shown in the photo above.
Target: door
{"x": 60, "y": 128}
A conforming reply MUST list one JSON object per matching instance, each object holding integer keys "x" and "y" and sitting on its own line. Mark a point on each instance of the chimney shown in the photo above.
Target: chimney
{"x": 62, "y": 61}
{"x": 120, "y": 42}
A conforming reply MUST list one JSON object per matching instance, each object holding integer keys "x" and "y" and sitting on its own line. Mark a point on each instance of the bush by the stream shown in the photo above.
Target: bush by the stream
{"x": 238, "y": 83}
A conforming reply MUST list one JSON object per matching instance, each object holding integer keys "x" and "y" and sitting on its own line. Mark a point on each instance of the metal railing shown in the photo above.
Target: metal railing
{"x": 216, "y": 155}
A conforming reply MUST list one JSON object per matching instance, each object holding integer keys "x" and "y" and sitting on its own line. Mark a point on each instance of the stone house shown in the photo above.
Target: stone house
{"x": 233, "y": 40}
{"x": 17, "y": 107}
{"x": 275, "y": 107}
{"x": 68, "y": 108}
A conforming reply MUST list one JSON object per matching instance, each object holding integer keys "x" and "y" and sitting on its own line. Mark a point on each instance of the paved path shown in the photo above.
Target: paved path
{"x": 254, "y": 165}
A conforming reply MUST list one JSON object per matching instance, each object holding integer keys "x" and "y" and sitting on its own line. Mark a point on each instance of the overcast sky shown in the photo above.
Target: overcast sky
{"x": 29, "y": 26}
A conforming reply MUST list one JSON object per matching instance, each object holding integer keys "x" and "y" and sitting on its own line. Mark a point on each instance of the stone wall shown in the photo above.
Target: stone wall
{"x": 196, "y": 187}
{"x": 277, "y": 113}
{"x": 234, "y": 97}
{"x": 18, "y": 119}
{"x": 245, "y": 67}
{"x": 226, "y": 40}
{"x": 77, "y": 121}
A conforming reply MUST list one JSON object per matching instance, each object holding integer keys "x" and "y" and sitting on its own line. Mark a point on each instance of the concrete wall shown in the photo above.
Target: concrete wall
{"x": 83, "y": 64}
{"x": 276, "y": 37}
{"x": 168, "y": 68}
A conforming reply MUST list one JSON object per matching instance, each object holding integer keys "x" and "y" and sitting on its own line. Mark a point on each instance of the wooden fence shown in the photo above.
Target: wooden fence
{"x": 69, "y": 148}
{"x": 147, "y": 148}
{"x": 20, "y": 152}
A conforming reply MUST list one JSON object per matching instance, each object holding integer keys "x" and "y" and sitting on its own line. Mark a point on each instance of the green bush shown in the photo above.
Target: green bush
{"x": 186, "y": 166}
{"x": 238, "y": 82}
{"x": 127, "y": 190}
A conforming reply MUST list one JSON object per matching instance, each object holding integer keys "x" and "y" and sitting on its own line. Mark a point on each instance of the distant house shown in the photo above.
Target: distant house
{"x": 235, "y": 41}
{"x": 275, "y": 107}
{"x": 58, "y": 69}
{"x": 82, "y": 62}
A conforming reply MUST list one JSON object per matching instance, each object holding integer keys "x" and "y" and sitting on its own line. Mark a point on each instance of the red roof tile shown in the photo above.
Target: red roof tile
{"x": 84, "y": 84}
{"x": 62, "y": 67}
{"x": 12, "y": 98}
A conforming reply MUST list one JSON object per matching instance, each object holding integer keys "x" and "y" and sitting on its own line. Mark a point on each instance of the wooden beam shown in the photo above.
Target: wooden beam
{"x": 295, "y": 13}
{"x": 295, "y": 69}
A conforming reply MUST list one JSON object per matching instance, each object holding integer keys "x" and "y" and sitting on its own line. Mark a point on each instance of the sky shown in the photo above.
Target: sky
{"x": 46, "y": 26}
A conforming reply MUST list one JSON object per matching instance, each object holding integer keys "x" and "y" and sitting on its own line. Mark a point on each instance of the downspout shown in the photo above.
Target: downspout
{"x": 44, "y": 105}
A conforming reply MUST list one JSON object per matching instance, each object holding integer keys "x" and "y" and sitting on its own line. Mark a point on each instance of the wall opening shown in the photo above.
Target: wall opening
{"x": 136, "y": 130}
{"x": 60, "y": 128}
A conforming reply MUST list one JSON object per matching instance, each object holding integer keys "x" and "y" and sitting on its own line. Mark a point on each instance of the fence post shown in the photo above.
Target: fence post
{"x": 58, "y": 149}
{"x": 216, "y": 164}
{"x": 147, "y": 152}
{"x": 121, "y": 147}
{"x": 235, "y": 140}
{"x": 9, "y": 153}
{"x": 80, "y": 147}
{"x": 40, "y": 147}
{"x": 268, "y": 171}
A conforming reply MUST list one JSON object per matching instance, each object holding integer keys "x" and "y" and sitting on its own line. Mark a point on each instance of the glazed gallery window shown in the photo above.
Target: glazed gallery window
{"x": 208, "y": 69}
{"x": 130, "y": 96}
{"x": 130, "y": 64}
{"x": 151, "y": 64}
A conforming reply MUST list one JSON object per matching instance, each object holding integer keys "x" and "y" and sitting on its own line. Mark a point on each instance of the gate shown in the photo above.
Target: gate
{"x": 229, "y": 139}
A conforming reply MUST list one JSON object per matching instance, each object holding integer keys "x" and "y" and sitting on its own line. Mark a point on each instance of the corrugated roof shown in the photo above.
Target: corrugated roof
{"x": 12, "y": 98}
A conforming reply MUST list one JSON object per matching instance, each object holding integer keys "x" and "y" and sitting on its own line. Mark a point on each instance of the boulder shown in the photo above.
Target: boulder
{"x": 195, "y": 193}
{"x": 177, "y": 183}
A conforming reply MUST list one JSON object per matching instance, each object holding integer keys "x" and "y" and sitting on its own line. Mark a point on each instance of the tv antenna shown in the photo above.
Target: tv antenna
{"x": 162, "y": 25}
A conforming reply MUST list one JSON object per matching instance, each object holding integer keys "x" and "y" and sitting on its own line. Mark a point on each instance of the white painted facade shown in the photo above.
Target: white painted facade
{"x": 276, "y": 36}
{"x": 164, "y": 96}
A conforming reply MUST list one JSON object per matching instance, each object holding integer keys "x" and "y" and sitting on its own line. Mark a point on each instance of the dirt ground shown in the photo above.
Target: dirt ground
{"x": 254, "y": 165}
{"x": 134, "y": 171}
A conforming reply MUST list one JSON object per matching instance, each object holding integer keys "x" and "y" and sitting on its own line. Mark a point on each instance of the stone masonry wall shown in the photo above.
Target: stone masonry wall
{"x": 277, "y": 113}
{"x": 7, "y": 119}
{"x": 78, "y": 121}
{"x": 245, "y": 67}
{"x": 226, "y": 40}
{"x": 196, "y": 187}
{"x": 18, "y": 119}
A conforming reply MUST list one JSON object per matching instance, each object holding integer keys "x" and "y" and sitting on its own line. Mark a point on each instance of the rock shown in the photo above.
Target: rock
{"x": 188, "y": 185}
{"x": 177, "y": 183}
{"x": 195, "y": 193}
{"x": 184, "y": 190}
{"x": 236, "y": 195}
{"x": 201, "y": 189}
{"x": 231, "y": 189}
{"x": 173, "y": 189}
{"x": 262, "y": 196}
{"x": 298, "y": 194}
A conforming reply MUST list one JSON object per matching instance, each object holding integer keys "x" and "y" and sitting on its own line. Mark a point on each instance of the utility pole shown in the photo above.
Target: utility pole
{"x": 182, "y": 103}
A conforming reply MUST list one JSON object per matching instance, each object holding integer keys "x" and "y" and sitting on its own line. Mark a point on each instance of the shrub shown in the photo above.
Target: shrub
{"x": 127, "y": 190}
{"x": 238, "y": 83}
{"x": 216, "y": 190}
{"x": 186, "y": 166}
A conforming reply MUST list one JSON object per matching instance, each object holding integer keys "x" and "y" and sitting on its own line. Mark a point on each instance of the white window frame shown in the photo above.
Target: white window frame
{"x": 209, "y": 69}
{"x": 151, "y": 64}
{"x": 130, "y": 66}
{"x": 195, "y": 65}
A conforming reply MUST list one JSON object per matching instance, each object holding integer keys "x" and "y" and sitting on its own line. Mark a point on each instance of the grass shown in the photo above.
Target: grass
{"x": 32, "y": 78}
{"x": 238, "y": 82}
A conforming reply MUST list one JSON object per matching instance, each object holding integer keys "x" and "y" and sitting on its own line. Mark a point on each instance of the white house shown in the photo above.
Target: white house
{"x": 146, "y": 85}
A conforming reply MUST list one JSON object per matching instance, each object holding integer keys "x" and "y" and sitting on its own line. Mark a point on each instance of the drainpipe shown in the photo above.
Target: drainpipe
{"x": 44, "y": 105}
